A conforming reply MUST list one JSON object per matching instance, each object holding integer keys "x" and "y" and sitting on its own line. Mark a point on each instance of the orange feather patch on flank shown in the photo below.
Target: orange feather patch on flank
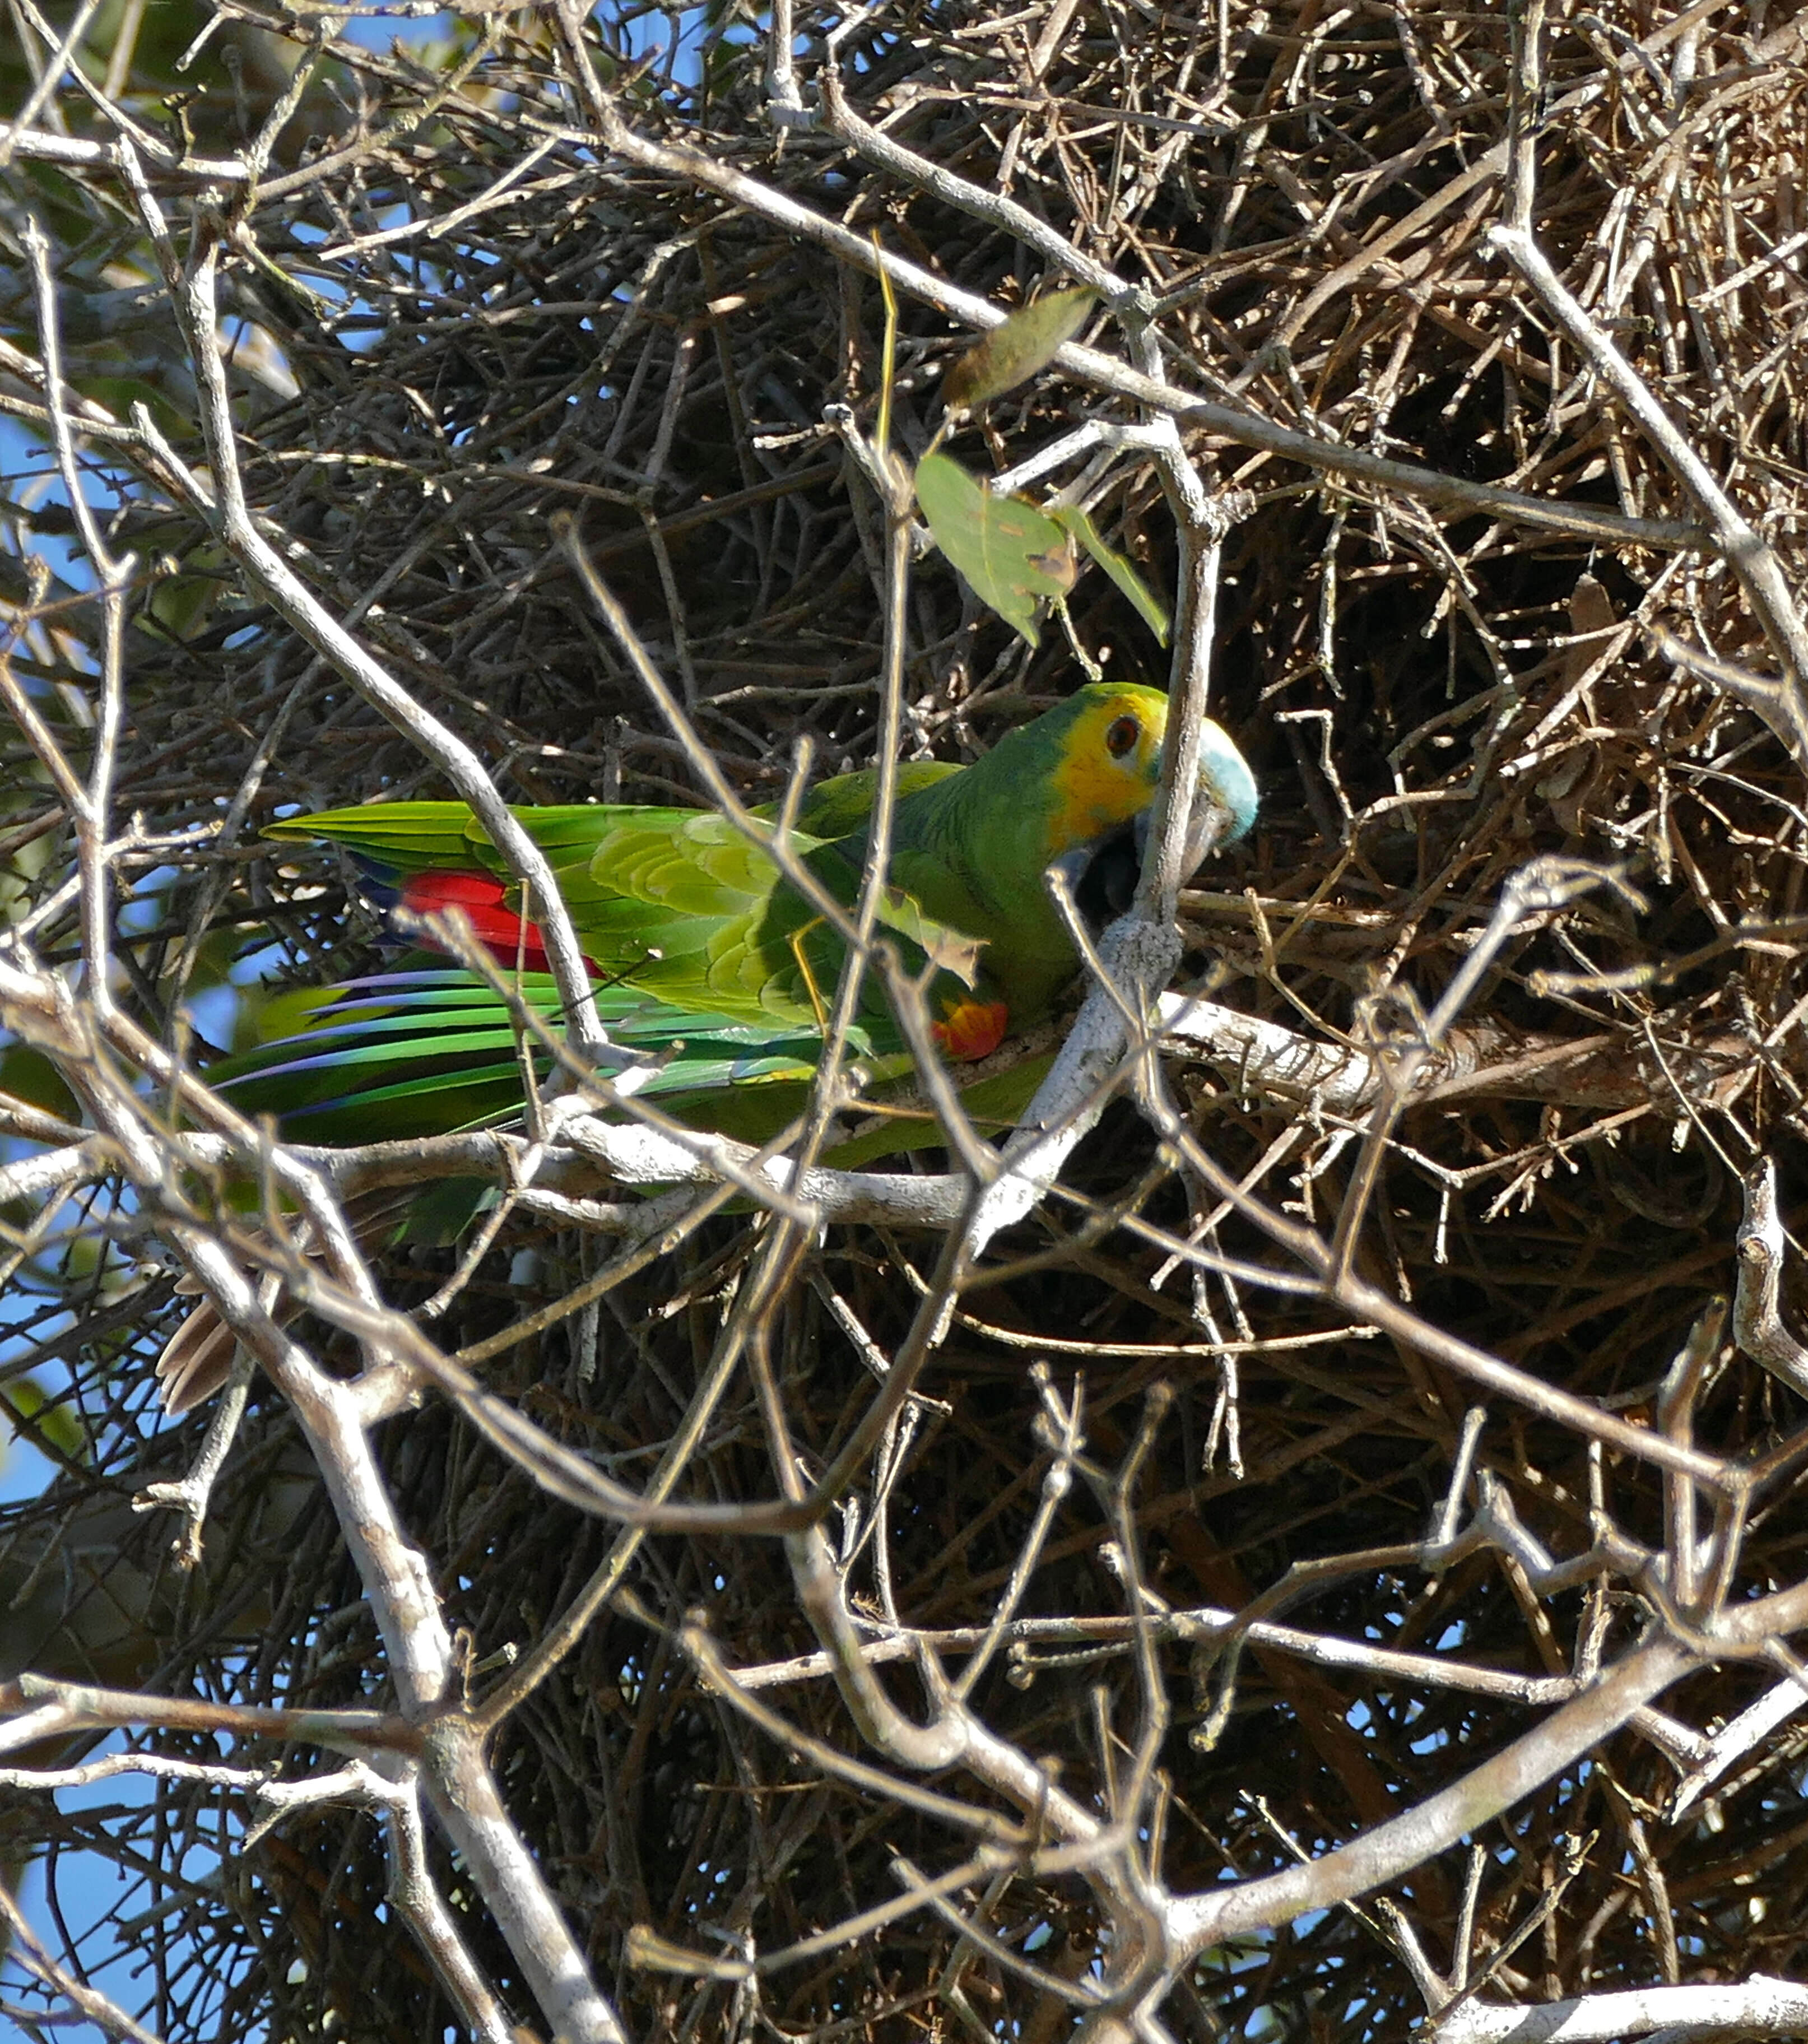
{"x": 480, "y": 899}
{"x": 971, "y": 1029}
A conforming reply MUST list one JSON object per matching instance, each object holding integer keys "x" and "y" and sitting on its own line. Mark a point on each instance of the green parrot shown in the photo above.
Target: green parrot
{"x": 702, "y": 953}
{"x": 705, "y": 959}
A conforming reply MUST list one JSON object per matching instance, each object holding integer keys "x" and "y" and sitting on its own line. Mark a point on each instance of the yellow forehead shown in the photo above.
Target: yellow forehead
{"x": 1096, "y": 789}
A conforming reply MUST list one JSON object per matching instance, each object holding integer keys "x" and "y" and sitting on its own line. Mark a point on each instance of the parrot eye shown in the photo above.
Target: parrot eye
{"x": 1121, "y": 736}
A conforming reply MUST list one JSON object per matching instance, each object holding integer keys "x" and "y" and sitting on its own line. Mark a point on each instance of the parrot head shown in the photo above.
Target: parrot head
{"x": 1107, "y": 741}
{"x": 1106, "y": 768}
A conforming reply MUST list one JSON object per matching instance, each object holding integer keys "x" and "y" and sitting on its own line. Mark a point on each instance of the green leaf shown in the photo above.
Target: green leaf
{"x": 220, "y": 950}
{"x": 57, "y": 1424}
{"x": 1148, "y": 605}
{"x": 440, "y": 1212}
{"x": 180, "y": 603}
{"x": 28, "y": 1075}
{"x": 1012, "y": 554}
{"x": 1012, "y": 353}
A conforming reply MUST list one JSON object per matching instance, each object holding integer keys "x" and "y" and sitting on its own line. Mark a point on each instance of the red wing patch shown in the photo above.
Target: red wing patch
{"x": 481, "y": 897}
{"x": 971, "y": 1028}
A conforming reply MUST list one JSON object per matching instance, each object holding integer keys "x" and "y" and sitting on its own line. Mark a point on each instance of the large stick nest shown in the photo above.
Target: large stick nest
{"x": 482, "y": 329}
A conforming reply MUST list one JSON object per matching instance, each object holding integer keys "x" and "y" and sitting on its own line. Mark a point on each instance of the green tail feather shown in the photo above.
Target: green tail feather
{"x": 433, "y": 1052}
{"x": 429, "y": 1052}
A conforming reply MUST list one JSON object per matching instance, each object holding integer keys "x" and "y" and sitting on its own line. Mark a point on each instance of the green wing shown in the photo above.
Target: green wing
{"x": 675, "y": 904}
{"x": 843, "y": 807}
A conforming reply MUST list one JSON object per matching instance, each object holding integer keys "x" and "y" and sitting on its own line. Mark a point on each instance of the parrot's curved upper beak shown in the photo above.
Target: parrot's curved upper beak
{"x": 1213, "y": 822}
{"x": 1103, "y": 875}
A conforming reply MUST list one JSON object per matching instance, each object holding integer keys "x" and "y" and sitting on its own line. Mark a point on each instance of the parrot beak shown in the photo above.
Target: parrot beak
{"x": 1212, "y": 823}
{"x": 1103, "y": 875}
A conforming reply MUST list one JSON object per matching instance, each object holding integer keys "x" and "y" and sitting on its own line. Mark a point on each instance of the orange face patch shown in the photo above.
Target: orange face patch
{"x": 1107, "y": 769}
{"x": 970, "y": 1029}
